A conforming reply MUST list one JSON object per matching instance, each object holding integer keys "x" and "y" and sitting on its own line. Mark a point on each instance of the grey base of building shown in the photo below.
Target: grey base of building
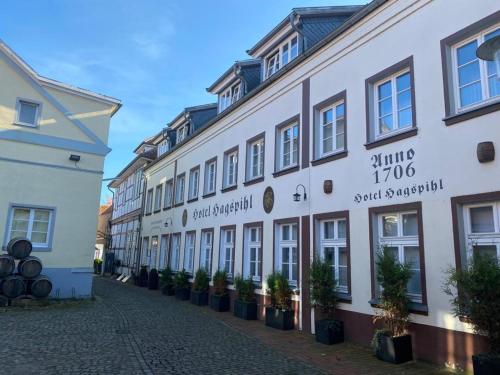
{"x": 70, "y": 282}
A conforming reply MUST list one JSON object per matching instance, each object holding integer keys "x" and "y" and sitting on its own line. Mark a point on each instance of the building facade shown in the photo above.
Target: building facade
{"x": 103, "y": 229}
{"x": 53, "y": 139}
{"x": 361, "y": 137}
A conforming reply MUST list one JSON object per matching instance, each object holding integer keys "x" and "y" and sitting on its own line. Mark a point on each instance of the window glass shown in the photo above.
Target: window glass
{"x": 482, "y": 219}
{"x": 410, "y": 226}
{"x": 490, "y": 250}
{"x": 469, "y": 75}
{"x": 493, "y": 80}
{"x": 341, "y": 229}
{"x": 27, "y": 112}
{"x": 329, "y": 229}
{"x": 294, "y": 48}
{"x": 390, "y": 225}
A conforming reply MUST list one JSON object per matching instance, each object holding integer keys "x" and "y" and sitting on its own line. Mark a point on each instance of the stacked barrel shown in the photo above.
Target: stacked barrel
{"x": 20, "y": 273}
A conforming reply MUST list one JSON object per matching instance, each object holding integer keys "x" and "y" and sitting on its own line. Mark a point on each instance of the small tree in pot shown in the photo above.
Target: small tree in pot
{"x": 181, "y": 285}
{"x": 324, "y": 298}
{"x": 475, "y": 292}
{"x": 279, "y": 314}
{"x": 393, "y": 343}
{"x": 167, "y": 282}
{"x": 219, "y": 300}
{"x": 245, "y": 305}
{"x": 199, "y": 291}
{"x": 153, "y": 279}
{"x": 97, "y": 266}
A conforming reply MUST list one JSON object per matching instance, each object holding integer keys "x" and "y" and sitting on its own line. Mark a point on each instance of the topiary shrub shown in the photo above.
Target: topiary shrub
{"x": 245, "y": 289}
{"x": 278, "y": 288}
{"x": 143, "y": 276}
{"x": 201, "y": 281}
{"x": 153, "y": 279}
{"x": 323, "y": 287}
{"x": 166, "y": 280}
{"x": 181, "y": 280}
{"x": 220, "y": 283}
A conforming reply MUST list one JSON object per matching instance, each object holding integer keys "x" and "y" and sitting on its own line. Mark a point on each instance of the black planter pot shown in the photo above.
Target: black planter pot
{"x": 153, "y": 280}
{"x": 245, "y": 310}
{"x": 199, "y": 298}
{"x": 168, "y": 290}
{"x": 219, "y": 303}
{"x": 279, "y": 319}
{"x": 182, "y": 294}
{"x": 329, "y": 331}
{"x": 486, "y": 364}
{"x": 394, "y": 349}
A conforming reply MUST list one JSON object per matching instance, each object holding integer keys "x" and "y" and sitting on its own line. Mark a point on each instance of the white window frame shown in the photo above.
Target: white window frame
{"x": 321, "y": 125}
{"x": 272, "y": 63}
{"x": 158, "y": 197}
{"x": 275, "y": 60}
{"x": 179, "y": 188}
{"x": 210, "y": 180}
{"x": 281, "y": 161}
{"x": 336, "y": 243}
{"x": 400, "y": 241}
{"x": 163, "y": 147}
{"x": 260, "y": 143}
{"x": 206, "y": 248}
{"x": 486, "y": 238}
{"x": 149, "y": 201}
{"x": 189, "y": 246}
{"x": 483, "y": 72}
{"x": 181, "y": 133}
{"x": 230, "y": 168}
{"x": 168, "y": 196}
{"x": 38, "y": 113}
{"x": 176, "y": 252}
{"x": 225, "y": 262}
{"x": 395, "y": 110}
{"x": 154, "y": 252}
{"x": 290, "y": 244}
{"x": 194, "y": 183}
{"x": 256, "y": 245}
{"x": 47, "y": 245}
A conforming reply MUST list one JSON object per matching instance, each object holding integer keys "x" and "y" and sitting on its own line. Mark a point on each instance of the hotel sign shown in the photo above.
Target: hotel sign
{"x": 225, "y": 209}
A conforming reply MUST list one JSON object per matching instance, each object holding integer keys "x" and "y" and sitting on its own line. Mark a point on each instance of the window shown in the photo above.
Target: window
{"x": 33, "y": 223}
{"x": 273, "y": 64}
{"x": 179, "y": 189}
{"x": 169, "y": 189}
{"x": 255, "y": 158}
{"x": 329, "y": 126}
{"x": 288, "y": 51}
{"x": 164, "y": 250}
{"x": 226, "y": 258}
{"x": 390, "y": 101}
{"x": 210, "y": 176}
{"x": 28, "y": 112}
{"x": 145, "y": 252}
{"x": 149, "y": 202}
{"x": 176, "y": 251}
{"x": 163, "y": 147}
{"x": 158, "y": 195}
{"x": 153, "y": 253}
{"x": 482, "y": 229}
{"x": 331, "y": 246}
{"x": 189, "y": 251}
{"x": 194, "y": 182}
{"x": 182, "y": 133}
{"x": 287, "y": 145}
{"x": 475, "y": 81}
{"x": 286, "y": 249}
{"x": 235, "y": 95}
{"x": 230, "y": 168}
{"x": 207, "y": 240}
{"x": 230, "y": 96}
{"x": 252, "y": 252}
{"x": 398, "y": 232}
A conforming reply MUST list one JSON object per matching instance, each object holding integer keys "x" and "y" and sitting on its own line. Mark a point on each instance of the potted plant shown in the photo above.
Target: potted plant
{"x": 181, "y": 285}
{"x": 475, "y": 292}
{"x": 143, "y": 276}
{"x": 393, "y": 343}
{"x": 97, "y": 266}
{"x": 324, "y": 298}
{"x": 199, "y": 291}
{"x": 167, "y": 282}
{"x": 245, "y": 305}
{"x": 153, "y": 279}
{"x": 219, "y": 300}
{"x": 279, "y": 314}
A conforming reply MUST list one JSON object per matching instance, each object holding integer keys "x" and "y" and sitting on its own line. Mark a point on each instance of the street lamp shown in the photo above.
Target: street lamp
{"x": 296, "y": 196}
{"x": 490, "y": 51}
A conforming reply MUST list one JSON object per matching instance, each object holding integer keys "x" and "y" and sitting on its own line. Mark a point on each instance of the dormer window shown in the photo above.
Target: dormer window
{"x": 288, "y": 51}
{"x": 163, "y": 147}
{"x": 230, "y": 96}
{"x": 182, "y": 133}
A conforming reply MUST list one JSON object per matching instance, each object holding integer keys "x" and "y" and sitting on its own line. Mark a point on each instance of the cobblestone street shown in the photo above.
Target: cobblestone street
{"x": 130, "y": 330}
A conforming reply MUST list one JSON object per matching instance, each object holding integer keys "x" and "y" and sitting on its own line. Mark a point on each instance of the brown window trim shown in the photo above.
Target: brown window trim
{"x": 205, "y": 174}
{"x": 248, "y": 143}
{"x": 343, "y": 297}
{"x": 341, "y": 96}
{"x": 259, "y": 224}
{"x": 188, "y": 232}
{"x": 207, "y": 230}
{"x": 279, "y": 172}
{"x": 253, "y": 181}
{"x": 224, "y": 168}
{"x": 417, "y": 308}
{"x": 288, "y": 220}
{"x": 183, "y": 174}
{"x": 169, "y": 181}
{"x": 456, "y": 204}
{"x": 371, "y": 142}
{"x": 194, "y": 199}
{"x": 223, "y": 228}
{"x": 451, "y": 117}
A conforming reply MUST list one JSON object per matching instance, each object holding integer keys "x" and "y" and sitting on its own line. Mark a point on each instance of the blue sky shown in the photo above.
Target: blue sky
{"x": 157, "y": 57}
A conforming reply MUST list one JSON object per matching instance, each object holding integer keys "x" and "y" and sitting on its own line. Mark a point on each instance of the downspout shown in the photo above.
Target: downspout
{"x": 111, "y": 239}
{"x": 296, "y": 28}
{"x": 139, "y": 237}
{"x": 244, "y": 83}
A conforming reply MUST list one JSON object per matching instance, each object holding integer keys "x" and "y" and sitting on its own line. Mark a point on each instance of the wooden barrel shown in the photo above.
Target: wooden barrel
{"x": 7, "y": 265}
{"x": 41, "y": 286}
{"x": 13, "y": 286}
{"x": 19, "y": 247}
{"x": 30, "y": 267}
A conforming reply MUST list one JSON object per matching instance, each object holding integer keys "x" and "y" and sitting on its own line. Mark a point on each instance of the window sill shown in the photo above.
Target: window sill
{"x": 179, "y": 204}
{"x": 156, "y": 211}
{"x": 192, "y": 200}
{"x": 229, "y": 188}
{"x": 415, "y": 307}
{"x": 329, "y": 158}
{"x": 253, "y": 181}
{"x": 344, "y": 297}
{"x": 17, "y": 123}
{"x": 147, "y": 214}
{"x": 472, "y": 113}
{"x": 392, "y": 138}
{"x": 40, "y": 249}
{"x": 208, "y": 195}
{"x": 167, "y": 208}
{"x": 286, "y": 171}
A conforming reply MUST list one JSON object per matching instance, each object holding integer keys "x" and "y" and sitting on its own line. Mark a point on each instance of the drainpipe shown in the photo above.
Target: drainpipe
{"x": 239, "y": 74}
{"x": 295, "y": 27}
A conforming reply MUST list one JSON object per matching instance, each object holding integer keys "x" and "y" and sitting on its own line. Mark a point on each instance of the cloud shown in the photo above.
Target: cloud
{"x": 153, "y": 43}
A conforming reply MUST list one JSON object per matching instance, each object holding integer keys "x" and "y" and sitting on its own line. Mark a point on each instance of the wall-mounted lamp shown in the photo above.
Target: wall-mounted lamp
{"x": 490, "y": 51}
{"x": 167, "y": 222}
{"x": 296, "y": 196}
{"x": 75, "y": 158}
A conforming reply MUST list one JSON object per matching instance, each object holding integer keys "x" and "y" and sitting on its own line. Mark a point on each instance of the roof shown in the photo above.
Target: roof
{"x": 192, "y": 109}
{"x": 48, "y": 82}
{"x": 146, "y": 156}
{"x": 249, "y": 62}
{"x": 305, "y": 12}
{"x": 146, "y": 141}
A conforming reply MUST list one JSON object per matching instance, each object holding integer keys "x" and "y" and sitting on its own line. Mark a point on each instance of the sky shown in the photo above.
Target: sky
{"x": 156, "y": 56}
